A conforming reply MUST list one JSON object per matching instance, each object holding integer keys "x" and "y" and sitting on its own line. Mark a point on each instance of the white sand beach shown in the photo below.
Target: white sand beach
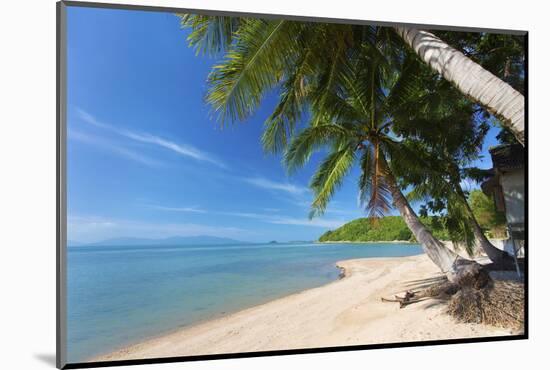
{"x": 345, "y": 312}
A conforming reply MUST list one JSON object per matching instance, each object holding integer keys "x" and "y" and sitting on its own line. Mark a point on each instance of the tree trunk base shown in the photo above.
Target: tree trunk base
{"x": 501, "y": 304}
{"x": 474, "y": 297}
{"x": 466, "y": 273}
{"x": 504, "y": 263}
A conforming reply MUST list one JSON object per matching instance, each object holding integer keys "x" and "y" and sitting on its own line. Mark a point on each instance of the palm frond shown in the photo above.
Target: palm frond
{"x": 407, "y": 87}
{"x": 358, "y": 95}
{"x": 210, "y": 34}
{"x": 329, "y": 177}
{"x": 459, "y": 225}
{"x": 380, "y": 195}
{"x": 254, "y": 64}
{"x": 311, "y": 139}
{"x": 333, "y": 62}
{"x": 420, "y": 193}
{"x": 365, "y": 163}
{"x": 374, "y": 192}
{"x": 292, "y": 102}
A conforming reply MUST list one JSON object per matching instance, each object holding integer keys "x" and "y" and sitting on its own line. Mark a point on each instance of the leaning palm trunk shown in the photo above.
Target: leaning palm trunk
{"x": 457, "y": 269}
{"x": 496, "y": 255}
{"x": 470, "y": 78}
{"x": 442, "y": 256}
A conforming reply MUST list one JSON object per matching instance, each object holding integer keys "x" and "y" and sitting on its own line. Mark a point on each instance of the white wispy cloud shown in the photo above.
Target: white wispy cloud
{"x": 90, "y": 222}
{"x": 332, "y": 209}
{"x": 200, "y": 210}
{"x": 95, "y": 228}
{"x": 182, "y": 149}
{"x": 116, "y": 149}
{"x": 263, "y": 217}
{"x": 316, "y": 222}
{"x": 179, "y": 209}
{"x": 185, "y": 150}
{"x": 242, "y": 214}
{"x": 279, "y": 186}
{"x": 87, "y": 117}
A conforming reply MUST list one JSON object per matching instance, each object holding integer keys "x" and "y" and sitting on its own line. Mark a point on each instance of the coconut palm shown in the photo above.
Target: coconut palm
{"x": 422, "y": 111}
{"x": 213, "y": 34}
{"x": 355, "y": 127}
{"x": 439, "y": 186}
{"x": 475, "y": 82}
{"x": 501, "y": 54}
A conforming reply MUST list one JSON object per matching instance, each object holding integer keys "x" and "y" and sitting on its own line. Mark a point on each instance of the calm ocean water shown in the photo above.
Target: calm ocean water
{"x": 121, "y": 295}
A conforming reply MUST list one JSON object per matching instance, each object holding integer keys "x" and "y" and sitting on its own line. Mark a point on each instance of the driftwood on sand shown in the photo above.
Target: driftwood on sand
{"x": 408, "y": 298}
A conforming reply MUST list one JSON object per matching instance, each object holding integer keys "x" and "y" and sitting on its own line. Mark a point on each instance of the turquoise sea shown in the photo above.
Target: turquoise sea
{"x": 118, "y": 295}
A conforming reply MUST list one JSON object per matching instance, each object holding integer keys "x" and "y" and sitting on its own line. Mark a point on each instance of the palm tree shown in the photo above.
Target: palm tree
{"x": 440, "y": 187}
{"x": 496, "y": 255}
{"x": 342, "y": 87}
{"x": 369, "y": 147}
{"x": 475, "y": 82}
{"x": 422, "y": 110}
{"x": 213, "y": 34}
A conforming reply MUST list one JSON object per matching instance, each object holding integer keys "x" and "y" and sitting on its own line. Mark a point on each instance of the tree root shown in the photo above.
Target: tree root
{"x": 500, "y": 304}
{"x": 478, "y": 299}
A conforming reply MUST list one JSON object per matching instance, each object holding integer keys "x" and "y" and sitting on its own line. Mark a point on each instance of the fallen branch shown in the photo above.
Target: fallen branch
{"x": 410, "y": 297}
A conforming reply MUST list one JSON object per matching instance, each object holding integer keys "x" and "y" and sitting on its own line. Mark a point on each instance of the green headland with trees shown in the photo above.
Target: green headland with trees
{"x": 392, "y": 228}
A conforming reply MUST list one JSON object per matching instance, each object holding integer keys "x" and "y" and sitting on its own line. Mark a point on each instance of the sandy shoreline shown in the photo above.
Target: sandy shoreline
{"x": 342, "y": 313}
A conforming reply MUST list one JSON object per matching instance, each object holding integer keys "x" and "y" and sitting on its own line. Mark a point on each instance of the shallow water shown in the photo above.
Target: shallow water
{"x": 120, "y": 295}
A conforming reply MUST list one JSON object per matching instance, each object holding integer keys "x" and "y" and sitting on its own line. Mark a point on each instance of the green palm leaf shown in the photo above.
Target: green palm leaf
{"x": 374, "y": 194}
{"x": 329, "y": 177}
{"x": 253, "y": 65}
{"x": 293, "y": 100}
{"x": 311, "y": 139}
{"x": 210, "y": 34}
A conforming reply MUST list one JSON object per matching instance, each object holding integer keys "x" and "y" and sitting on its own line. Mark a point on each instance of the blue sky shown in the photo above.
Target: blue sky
{"x": 145, "y": 157}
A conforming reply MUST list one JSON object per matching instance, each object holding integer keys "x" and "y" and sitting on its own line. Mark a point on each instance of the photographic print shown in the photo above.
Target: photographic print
{"x": 240, "y": 184}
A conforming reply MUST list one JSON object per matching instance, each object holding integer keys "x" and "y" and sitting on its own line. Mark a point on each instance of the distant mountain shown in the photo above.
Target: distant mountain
{"x": 175, "y": 240}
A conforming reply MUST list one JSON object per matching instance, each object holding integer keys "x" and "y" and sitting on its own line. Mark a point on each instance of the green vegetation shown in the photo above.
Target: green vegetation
{"x": 391, "y": 228}
{"x": 387, "y": 228}
{"x": 491, "y": 221}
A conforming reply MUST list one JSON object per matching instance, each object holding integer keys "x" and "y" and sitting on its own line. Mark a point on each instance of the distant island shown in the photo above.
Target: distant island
{"x": 174, "y": 241}
{"x": 385, "y": 229}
